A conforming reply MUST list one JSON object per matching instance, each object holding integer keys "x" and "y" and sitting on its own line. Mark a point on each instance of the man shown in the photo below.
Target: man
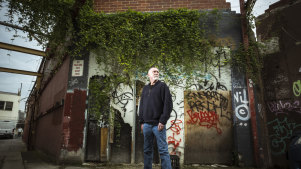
{"x": 154, "y": 111}
{"x": 20, "y": 131}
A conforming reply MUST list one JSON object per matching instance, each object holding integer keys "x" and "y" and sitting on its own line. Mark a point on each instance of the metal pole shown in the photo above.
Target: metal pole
{"x": 133, "y": 155}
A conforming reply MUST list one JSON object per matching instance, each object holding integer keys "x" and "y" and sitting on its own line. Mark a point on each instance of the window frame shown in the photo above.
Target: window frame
{"x": 2, "y": 108}
{"x": 6, "y": 105}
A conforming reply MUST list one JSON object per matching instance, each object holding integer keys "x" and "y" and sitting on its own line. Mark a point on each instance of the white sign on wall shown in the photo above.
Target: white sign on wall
{"x": 77, "y": 67}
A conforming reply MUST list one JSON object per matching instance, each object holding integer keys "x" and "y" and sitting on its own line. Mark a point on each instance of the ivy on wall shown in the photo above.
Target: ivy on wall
{"x": 126, "y": 43}
{"x": 248, "y": 60}
{"x": 130, "y": 42}
{"x": 248, "y": 57}
{"x": 176, "y": 41}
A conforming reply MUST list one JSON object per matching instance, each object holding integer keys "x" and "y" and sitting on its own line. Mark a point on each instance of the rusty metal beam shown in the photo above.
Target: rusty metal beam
{"x": 22, "y": 49}
{"x": 20, "y": 72}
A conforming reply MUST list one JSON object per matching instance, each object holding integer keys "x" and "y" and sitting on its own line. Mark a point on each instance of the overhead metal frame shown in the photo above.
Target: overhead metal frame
{"x": 39, "y": 75}
{"x": 22, "y": 49}
{"x": 8, "y": 70}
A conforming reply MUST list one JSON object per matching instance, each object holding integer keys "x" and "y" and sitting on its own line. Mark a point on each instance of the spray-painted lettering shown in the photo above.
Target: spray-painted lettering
{"x": 281, "y": 132}
{"x": 208, "y": 101}
{"x": 207, "y": 119}
{"x": 242, "y": 109}
{"x": 284, "y": 106}
{"x": 176, "y": 129}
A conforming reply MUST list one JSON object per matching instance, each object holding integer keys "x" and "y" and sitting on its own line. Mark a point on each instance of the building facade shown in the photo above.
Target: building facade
{"x": 279, "y": 31}
{"x": 9, "y": 106}
{"x": 210, "y": 121}
{"x": 9, "y": 113}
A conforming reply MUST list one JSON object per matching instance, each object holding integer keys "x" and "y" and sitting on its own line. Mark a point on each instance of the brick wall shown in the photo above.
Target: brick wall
{"x": 49, "y": 118}
{"x": 281, "y": 76}
{"x": 111, "y": 6}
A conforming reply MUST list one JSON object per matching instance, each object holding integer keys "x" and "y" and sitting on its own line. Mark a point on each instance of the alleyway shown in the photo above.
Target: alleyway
{"x": 13, "y": 155}
{"x": 10, "y": 153}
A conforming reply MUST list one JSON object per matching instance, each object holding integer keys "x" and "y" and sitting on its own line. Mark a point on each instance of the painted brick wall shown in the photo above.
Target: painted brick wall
{"x": 111, "y": 6}
{"x": 55, "y": 90}
{"x": 49, "y": 128}
{"x": 74, "y": 114}
{"x": 74, "y": 120}
{"x": 49, "y": 117}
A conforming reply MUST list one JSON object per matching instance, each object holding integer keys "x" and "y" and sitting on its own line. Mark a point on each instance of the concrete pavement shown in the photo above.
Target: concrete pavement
{"x": 10, "y": 156}
{"x": 13, "y": 155}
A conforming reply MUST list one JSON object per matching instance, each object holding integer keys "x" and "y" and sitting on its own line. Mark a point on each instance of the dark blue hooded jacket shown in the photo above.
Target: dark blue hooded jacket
{"x": 155, "y": 104}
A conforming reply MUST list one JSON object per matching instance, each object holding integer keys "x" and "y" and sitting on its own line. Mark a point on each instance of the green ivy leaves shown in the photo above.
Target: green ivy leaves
{"x": 131, "y": 42}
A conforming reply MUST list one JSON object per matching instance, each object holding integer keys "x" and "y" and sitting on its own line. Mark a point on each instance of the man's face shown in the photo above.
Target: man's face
{"x": 153, "y": 74}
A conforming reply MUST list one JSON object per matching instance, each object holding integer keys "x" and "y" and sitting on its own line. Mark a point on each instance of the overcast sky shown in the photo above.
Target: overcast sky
{"x": 10, "y": 82}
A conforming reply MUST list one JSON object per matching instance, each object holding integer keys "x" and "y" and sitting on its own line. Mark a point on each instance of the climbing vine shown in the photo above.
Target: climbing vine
{"x": 128, "y": 43}
{"x": 248, "y": 60}
{"x": 99, "y": 101}
{"x": 131, "y": 42}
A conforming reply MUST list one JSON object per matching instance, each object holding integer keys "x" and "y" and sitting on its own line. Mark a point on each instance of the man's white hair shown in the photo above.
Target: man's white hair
{"x": 151, "y": 69}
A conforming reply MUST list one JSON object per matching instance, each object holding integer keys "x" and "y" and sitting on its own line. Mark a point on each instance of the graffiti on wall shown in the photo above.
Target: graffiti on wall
{"x": 208, "y": 101}
{"x": 219, "y": 61}
{"x": 122, "y": 98}
{"x": 175, "y": 124}
{"x": 208, "y": 119}
{"x": 297, "y": 88}
{"x": 282, "y": 131}
{"x": 242, "y": 109}
{"x": 175, "y": 139}
{"x": 206, "y": 108}
{"x": 210, "y": 82}
{"x": 284, "y": 106}
{"x": 208, "y": 123}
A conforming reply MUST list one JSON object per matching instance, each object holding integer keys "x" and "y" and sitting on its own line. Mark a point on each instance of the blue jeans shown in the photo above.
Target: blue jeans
{"x": 149, "y": 131}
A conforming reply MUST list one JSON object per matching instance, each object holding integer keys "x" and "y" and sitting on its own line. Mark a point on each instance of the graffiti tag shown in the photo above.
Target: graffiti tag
{"x": 297, "y": 88}
{"x": 176, "y": 129}
{"x": 281, "y": 132}
{"x": 242, "y": 110}
{"x": 122, "y": 98}
{"x": 219, "y": 60}
{"x": 207, "y": 119}
{"x": 208, "y": 101}
{"x": 282, "y": 106}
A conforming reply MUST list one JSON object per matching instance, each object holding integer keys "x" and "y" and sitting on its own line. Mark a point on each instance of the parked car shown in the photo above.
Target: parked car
{"x": 7, "y": 129}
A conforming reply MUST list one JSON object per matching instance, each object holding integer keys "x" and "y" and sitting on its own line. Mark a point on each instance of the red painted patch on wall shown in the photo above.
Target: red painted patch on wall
{"x": 74, "y": 120}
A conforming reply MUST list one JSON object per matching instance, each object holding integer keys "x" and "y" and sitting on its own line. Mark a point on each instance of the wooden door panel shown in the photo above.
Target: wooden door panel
{"x": 208, "y": 127}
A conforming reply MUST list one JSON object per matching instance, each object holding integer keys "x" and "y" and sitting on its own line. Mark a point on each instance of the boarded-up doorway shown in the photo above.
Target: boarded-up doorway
{"x": 208, "y": 127}
{"x": 98, "y": 122}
